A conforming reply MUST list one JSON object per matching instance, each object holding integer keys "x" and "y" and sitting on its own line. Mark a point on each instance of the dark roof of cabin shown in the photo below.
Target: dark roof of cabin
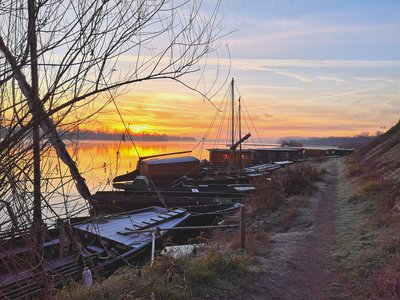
{"x": 172, "y": 160}
{"x": 282, "y": 149}
{"x": 229, "y": 150}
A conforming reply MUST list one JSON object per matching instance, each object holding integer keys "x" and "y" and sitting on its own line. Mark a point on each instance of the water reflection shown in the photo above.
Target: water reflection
{"x": 101, "y": 161}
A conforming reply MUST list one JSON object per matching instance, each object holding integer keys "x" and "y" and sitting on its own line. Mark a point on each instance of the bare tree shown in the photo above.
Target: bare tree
{"x": 87, "y": 51}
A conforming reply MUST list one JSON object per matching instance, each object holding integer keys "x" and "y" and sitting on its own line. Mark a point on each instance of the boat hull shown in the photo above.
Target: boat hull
{"x": 120, "y": 201}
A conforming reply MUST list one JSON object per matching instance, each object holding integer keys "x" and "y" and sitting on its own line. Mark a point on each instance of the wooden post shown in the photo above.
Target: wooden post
{"x": 242, "y": 228}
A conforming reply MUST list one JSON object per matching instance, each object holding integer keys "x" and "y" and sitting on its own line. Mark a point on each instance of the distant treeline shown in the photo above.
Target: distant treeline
{"x": 334, "y": 141}
{"x": 107, "y": 136}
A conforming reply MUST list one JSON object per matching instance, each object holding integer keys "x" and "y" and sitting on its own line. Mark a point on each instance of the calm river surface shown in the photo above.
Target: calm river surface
{"x": 100, "y": 161}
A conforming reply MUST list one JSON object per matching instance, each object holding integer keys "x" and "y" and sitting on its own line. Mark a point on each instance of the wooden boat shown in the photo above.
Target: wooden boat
{"x": 119, "y": 201}
{"x": 104, "y": 244}
{"x": 214, "y": 187}
{"x": 185, "y": 184}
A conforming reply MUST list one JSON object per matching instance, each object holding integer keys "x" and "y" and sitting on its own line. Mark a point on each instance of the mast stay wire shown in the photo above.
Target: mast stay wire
{"x": 206, "y": 135}
{"x": 120, "y": 116}
{"x": 221, "y": 125}
{"x": 210, "y": 126}
{"x": 249, "y": 116}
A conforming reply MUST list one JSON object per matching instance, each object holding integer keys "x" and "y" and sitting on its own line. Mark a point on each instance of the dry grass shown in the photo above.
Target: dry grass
{"x": 299, "y": 180}
{"x": 369, "y": 188}
{"x": 219, "y": 274}
{"x": 272, "y": 191}
{"x": 386, "y": 282}
{"x": 368, "y": 240}
{"x": 294, "y": 209}
{"x": 353, "y": 166}
{"x": 255, "y": 242}
{"x": 269, "y": 195}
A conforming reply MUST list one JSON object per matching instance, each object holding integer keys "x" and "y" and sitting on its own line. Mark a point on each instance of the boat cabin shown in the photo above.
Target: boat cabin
{"x": 342, "y": 152}
{"x": 309, "y": 152}
{"x": 222, "y": 157}
{"x": 265, "y": 155}
{"x": 175, "y": 167}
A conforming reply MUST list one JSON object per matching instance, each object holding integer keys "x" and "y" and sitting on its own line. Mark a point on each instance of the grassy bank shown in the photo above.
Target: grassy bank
{"x": 221, "y": 275}
{"x": 368, "y": 241}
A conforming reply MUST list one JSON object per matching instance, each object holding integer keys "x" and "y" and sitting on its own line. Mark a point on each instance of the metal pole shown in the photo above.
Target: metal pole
{"x": 233, "y": 119}
{"x": 242, "y": 228}
{"x": 240, "y": 137}
{"x": 180, "y": 228}
{"x": 153, "y": 245}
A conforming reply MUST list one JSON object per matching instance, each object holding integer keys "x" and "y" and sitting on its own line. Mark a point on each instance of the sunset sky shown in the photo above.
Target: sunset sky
{"x": 303, "y": 68}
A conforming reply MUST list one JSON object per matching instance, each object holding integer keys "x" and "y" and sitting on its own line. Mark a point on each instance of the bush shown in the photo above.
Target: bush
{"x": 272, "y": 191}
{"x": 269, "y": 195}
{"x": 299, "y": 180}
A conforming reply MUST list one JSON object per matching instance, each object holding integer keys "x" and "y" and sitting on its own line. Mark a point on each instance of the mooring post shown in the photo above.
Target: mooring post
{"x": 242, "y": 228}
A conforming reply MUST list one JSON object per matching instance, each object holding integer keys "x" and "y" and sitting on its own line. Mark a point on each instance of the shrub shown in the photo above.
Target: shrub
{"x": 269, "y": 195}
{"x": 272, "y": 191}
{"x": 299, "y": 180}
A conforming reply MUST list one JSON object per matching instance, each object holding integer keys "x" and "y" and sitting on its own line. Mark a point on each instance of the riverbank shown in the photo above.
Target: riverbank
{"x": 337, "y": 239}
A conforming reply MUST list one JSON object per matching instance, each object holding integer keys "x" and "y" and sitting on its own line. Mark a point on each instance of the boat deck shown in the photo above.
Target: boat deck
{"x": 118, "y": 228}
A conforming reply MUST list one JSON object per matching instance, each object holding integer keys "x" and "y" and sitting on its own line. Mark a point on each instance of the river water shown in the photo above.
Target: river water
{"x": 99, "y": 162}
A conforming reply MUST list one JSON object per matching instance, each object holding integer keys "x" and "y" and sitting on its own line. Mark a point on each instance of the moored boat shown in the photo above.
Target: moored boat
{"x": 103, "y": 244}
{"x": 120, "y": 201}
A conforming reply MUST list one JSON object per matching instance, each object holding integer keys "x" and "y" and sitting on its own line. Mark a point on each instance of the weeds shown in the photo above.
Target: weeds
{"x": 272, "y": 192}
{"x": 294, "y": 208}
{"x": 219, "y": 274}
{"x": 353, "y": 166}
{"x": 255, "y": 241}
{"x": 368, "y": 188}
{"x": 269, "y": 195}
{"x": 368, "y": 241}
{"x": 300, "y": 179}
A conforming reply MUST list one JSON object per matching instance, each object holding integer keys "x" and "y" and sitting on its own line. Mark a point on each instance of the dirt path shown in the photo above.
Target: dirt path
{"x": 299, "y": 264}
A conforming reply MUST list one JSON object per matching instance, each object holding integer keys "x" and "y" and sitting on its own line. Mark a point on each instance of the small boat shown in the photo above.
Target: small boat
{"x": 115, "y": 238}
{"x": 103, "y": 243}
